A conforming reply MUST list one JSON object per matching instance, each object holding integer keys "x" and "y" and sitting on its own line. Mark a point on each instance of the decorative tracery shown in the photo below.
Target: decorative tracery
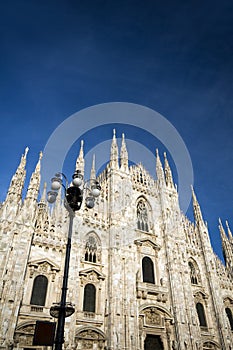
{"x": 92, "y": 249}
{"x": 142, "y": 216}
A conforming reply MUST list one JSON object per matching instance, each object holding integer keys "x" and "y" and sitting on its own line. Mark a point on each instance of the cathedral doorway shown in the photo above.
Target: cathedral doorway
{"x": 153, "y": 342}
{"x": 90, "y": 338}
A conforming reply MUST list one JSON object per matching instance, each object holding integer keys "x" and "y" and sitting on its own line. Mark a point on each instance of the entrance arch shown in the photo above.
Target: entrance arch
{"x": 156, "y": 329}
{"x": 153, "y": 342}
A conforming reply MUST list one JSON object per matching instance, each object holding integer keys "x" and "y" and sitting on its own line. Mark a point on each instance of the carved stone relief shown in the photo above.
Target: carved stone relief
{"x": 152, "y": 317}
{"x": 24, "y": 335}
{"x": 90, "y": 339}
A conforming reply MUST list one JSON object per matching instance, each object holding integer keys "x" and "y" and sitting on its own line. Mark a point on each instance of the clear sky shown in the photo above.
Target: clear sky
{"x": 175, "y": 57}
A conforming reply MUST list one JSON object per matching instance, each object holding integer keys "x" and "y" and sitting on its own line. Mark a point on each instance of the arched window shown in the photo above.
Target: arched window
{"x": 201, "y": 315}
{"x": 39, "y": 290}
{"x": 89, "y": 298}
{"x": 148, "y": 270}
{"x": 193, "y": 273}
{"x": 230, "y": 318}
{"x": 142, "y": 216}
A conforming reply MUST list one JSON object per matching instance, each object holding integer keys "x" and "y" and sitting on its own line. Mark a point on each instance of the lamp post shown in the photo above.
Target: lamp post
{"x": 72, "y": 202}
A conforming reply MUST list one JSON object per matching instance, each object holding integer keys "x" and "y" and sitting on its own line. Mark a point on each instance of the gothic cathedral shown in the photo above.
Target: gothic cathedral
{"x": 142, "y": 275}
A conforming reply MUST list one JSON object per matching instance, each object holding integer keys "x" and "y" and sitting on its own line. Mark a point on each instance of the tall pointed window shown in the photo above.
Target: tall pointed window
{"x": 201, "y": 315}
{"x": 193, "y": 273}
{"x": 92, "y": 252}
{"x": 142, "y": 216}
{"x": 230, "y": 318}
{"x": 89, "y": 298}
{"x": 91, "y": 249}
{"x": 148, "y": 270}
{"x": 39, "y": 290}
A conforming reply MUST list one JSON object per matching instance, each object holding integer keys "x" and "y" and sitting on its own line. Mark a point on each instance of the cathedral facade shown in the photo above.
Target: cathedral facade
{"x": 142, "y": 275}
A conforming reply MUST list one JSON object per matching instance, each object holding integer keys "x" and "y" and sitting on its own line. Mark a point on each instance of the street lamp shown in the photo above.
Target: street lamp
{"x": 72, "y": 202}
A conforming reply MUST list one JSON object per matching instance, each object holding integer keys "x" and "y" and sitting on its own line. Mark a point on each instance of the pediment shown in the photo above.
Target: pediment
{"x": 200, "y": 295}
{"x": 159, "y": 309}
{"x": 43, "y": 262}
{"x": 92, "y": 273}
{"x": 147, "y": 242}
{"x": 228, "y": 301}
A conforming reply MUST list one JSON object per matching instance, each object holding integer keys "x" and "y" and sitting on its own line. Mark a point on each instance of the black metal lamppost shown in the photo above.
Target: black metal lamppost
{"x": 72, "y": 202}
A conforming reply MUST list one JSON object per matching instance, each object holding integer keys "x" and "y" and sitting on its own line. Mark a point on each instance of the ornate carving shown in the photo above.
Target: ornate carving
{"x": 142, "y": 216}
{"x": 152, "y": 317}
{"x": 90, "y": 334}
{"x": 24, "y": 335}
{"x": 90, "y": 339}
{"x": 92, "y": 249}
{"x": 87, "y": 344}
{"x": 200, "y": 296}
{"x": 228, "y": 302}
{"x": 44, "y": 267}
{"x": 92, "y": 277}
{"x": 28, "y": 329}
{"x": 31, "y": 271}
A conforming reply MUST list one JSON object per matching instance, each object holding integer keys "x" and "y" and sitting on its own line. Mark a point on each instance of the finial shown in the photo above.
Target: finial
{"x": 220, "y": 221}
{"x": 114, "y": 152}
{"x": 229, "y": 231}
{"x": 26, "y": 151}
{"x": 24, "y": 156}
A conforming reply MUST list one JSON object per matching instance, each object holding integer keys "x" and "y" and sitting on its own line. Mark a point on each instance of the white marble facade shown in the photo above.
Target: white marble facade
{"x": 142, "y": 275}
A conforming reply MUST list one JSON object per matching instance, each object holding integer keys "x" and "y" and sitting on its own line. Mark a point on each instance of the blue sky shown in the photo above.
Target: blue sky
{"x": 175, "y": 57}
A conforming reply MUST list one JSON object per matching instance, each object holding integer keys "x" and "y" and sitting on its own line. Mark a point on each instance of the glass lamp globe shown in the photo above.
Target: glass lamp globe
{"x": 95, "y": 191}
{"x": 77, "y": 178}
{"x": 56, "y": 184}
{"x": 90, "y": 202}
{"x": 51, "y": 196}
{"x": 77, "y": 181}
